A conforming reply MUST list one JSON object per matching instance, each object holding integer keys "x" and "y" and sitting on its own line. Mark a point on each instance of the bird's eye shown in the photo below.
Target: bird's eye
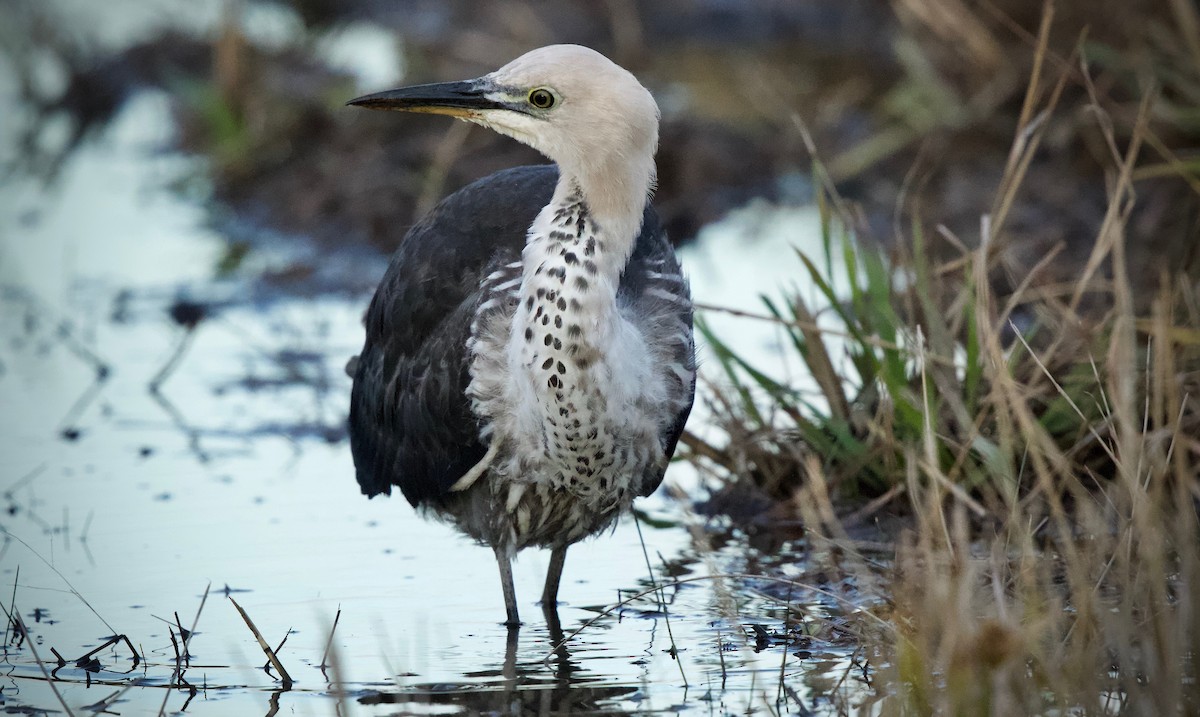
{"x": 541, "y": 98}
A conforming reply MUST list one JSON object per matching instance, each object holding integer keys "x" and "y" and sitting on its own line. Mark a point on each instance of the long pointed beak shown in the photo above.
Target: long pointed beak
{"x": 458, "y": 99}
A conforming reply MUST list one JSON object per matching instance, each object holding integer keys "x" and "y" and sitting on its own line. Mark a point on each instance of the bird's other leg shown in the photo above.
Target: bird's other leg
{"x": 509, "y": 669}
{"x": 562, "y": 657}
{"x": 504, "y": 560}
{"x": 558, "y": 556}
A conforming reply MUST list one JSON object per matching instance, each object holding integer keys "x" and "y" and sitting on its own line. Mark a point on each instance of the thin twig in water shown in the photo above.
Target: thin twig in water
{"x": 787, "y": 619}
{"x": 172, "y": 362}
{"x": 279, "y": 647}
{"x": 186, "y": 641}
{"x": 175, "y": 646}
{"x": 667, "y": 619}
{"x": 721, "y": 657}
{"x": 109, "y": 643}
{"x": 41, "y": 665}
{"x": 184, "y": 635}
{"x": 177, "y": 417}
{"x": 62, "y": 577}
{"x": 101, "y": 705}
{"x": 846, "y": 673}
{"x": 283, "y": 673}
{"x": 662, "y": 600}
{"x": 101, "y": 369}
{"x": 8, "y": 492}
{"x": 329, "y": 642}
{"x": 87, "y": 524}
{"x": 336, "y": 683}
{"x": 12, "y": 605}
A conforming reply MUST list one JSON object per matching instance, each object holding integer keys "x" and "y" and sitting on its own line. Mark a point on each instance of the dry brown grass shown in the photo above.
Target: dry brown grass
{"x": 1041, "y": 445}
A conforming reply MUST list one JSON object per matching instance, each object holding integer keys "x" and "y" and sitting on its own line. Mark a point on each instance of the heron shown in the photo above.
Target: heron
{"x": 529, "y": 361}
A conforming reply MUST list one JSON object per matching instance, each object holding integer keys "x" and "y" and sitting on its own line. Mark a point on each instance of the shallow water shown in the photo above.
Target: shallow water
{"x": 144, "y": 465}
{"x": 236, "y": 479}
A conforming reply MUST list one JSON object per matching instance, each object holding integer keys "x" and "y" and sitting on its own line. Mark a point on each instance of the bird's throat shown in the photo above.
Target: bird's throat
{"x": 565, "y": 332}
{"x": 568, "y": 290}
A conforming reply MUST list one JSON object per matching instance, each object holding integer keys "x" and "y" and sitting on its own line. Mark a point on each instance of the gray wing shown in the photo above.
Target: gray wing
{"x": 655, "y": 291}
{"x": 410, "y": 420}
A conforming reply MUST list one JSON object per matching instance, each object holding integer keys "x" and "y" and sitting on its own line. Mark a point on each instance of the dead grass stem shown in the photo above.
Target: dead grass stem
{"x": 284, "y": 677}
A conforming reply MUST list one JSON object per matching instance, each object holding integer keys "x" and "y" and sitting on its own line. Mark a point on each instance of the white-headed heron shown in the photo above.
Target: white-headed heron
{"x": 529, "y": 362}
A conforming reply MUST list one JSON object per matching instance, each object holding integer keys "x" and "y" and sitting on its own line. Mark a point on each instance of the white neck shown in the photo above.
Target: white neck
{"x": 574, "y": 254}
{"x": 574, "y": 363}
{"x": 615, "y": 190}
{"x": 567, "y": 323}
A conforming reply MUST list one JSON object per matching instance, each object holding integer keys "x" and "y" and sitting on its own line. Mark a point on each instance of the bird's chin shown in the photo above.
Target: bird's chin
{"x": 522, "y": 136}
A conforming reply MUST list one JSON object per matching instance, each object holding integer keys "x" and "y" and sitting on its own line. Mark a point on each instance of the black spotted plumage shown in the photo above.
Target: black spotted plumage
{"x": 411, "y": 423}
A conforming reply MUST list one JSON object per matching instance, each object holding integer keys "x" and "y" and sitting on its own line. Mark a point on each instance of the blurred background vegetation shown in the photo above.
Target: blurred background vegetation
{"x": 911, "y": 105}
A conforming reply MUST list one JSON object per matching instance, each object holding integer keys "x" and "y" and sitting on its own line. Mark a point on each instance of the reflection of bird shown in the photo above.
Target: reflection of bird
{"x": 528, "y": 364}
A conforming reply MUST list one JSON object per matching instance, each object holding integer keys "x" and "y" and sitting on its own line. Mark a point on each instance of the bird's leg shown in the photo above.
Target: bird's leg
{"x": 509, "y": 669}
{"x": 564, "y": 667}
{"x": 504, "y": 560}
{"x": 558, "y": 556}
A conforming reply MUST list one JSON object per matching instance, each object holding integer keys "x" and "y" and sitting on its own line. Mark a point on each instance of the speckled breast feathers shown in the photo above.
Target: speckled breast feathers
{"x": 569, "y": 392}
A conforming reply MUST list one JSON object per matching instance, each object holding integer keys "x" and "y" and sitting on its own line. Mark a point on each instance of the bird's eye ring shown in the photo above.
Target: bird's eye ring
{"x": 541, "y": 98}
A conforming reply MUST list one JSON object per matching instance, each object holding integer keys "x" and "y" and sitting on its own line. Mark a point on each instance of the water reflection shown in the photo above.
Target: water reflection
{"x": 551, "y": 685}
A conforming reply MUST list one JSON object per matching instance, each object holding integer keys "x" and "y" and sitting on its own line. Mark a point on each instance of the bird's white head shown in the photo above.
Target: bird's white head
{"x": 583, "y": 111}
